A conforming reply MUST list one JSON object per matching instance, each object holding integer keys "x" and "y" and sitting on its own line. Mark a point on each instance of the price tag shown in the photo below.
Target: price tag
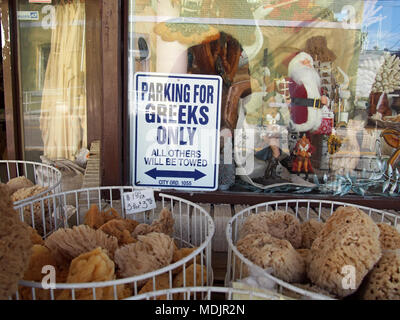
{"x": 139, "y": 201}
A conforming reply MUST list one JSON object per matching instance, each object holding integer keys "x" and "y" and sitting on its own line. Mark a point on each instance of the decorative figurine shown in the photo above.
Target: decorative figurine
{"x": 302, "y": 151}
{"x": 306, "y": 94}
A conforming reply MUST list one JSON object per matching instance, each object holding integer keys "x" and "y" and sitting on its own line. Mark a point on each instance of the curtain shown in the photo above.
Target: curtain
{"x": 63, "y": 109}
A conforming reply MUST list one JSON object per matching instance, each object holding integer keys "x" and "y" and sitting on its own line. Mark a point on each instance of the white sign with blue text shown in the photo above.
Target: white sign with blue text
{"x": 176, "y": 124}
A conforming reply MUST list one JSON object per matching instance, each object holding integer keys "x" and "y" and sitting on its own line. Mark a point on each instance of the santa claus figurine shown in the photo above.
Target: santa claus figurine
{"x": 306, "y": 95}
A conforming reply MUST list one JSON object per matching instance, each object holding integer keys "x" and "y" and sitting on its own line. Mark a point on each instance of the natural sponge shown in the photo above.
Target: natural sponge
{"x": 37, "y": 213}
{"x": 389, "y": 237}
{"x": 269, "y": 252}
{"x": 383, "y": 283}
{"x": 93, "y": 266}
{"x": 19, "y": 183}
{"x": 67, "y": 244}
{"x": 347, "y": 244}
{"x": 121, "y": 229}
{"x": 254, "y": 223}
{"x": 95, "y": 218}
{"x": 152, "y": 251}
{"x": 310, "y": 230}
{"x": 164, "y": 224}
{"x": 283, "y": 225}
{"x": 15, "y": 245}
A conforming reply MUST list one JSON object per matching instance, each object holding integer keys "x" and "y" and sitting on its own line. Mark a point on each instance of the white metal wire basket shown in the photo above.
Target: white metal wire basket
{"x": 207, "y": 293}
{"x": 304, "y": 210}
{"x": 39, "y": 173}
{"x": 193, "y": 227}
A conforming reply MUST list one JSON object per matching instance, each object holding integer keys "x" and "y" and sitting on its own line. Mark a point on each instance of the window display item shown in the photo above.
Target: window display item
{"x": 303, "y": 151}
{"x": 306, "y": 94}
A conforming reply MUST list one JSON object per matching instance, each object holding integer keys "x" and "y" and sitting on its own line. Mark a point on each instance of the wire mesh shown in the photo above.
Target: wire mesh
{"x": 238, "y": 266}
{"x": 193, "y": 228}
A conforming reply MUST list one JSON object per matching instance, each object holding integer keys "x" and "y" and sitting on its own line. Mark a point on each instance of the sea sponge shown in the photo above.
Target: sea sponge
{"x": 164, "y": 224}
{"x": 161, "y": 283}
{"x": 309, "y": 231}
{"x": 179, "y": 254}
{"x": 151, "y": 252}
{"x": 95, "y": 218}
{"x": 41, "y": 256}
{"x": 269, "y": 252}
{"x": 389, "y": 237}
{"x": 190, "y": 278}
{"x": 15, "y": 245}
{"x": 35, "y": 236}
{"x": 383, "y": 283}
{"x": 121, "y": 229}
{"x": 67, "y": 244}
{"x": 254, "y": 223}
{"x": 19, "y": 183}
{"x": 304, "y": 254}
{"x": 283, "y": 225}
{"x": 346, "y": 215}
{"x": 349, "y": 239}
{"x": 35, "y": 214}
{"x": 93, "y": 266}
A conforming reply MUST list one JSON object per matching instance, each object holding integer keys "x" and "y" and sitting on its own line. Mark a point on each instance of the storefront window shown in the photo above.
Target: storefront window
{"x": 52, "y": 60}
{"x": 310, "y": 95}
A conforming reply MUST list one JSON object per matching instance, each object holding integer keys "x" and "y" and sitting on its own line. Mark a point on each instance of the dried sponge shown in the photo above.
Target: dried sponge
{"x": 383, "y": 283}
{"x": 304, "y": 254}
{"x": 15, "y": 245}
{"x": 121, "y": 229}
{"x": 192, "y": 277}
{"x": 254, "y": 223}
{"x": 19, "y": 183}
{"x": 164, "y": 224}
{"x": 151, "y": 252}
{"x": 277, "y": 254}
{"x": 283, "y": 225}
{"x": 95, "y": 218}
{"x": 67, "y": 244}
{"x": 310, "y": 230}
{"x": 41, "y": 256}
{"x": 348, "y": 241}
{"x": 161, "y": 283}
{"x": 93, "y": 266}
{"x": 346, "y": 216}
{"x": 389, "y": 237}
{"x": 37, "y": 213}
{"x": 179, "y": 254}
{"x": 35, "y": 237}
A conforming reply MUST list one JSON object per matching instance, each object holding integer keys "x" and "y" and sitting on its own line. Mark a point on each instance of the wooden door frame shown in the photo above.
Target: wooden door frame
{"x": 10, "y": 78}
{"x": 102, "y": 81}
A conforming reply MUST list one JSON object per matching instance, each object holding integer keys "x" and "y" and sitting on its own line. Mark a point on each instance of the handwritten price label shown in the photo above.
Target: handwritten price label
{"x": 139, "y": 201}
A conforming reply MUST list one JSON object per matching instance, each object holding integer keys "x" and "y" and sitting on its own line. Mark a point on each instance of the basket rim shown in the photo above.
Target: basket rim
{"x": 36, "y": 164}
{"x": 232, "y": 246}
{"x": 192, "y": 256}
{"x": 204, "y": 289}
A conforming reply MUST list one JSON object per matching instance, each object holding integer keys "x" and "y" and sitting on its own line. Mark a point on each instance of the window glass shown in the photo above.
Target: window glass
{"x": 310, "y": 95}
{"x": 52, "y": 60}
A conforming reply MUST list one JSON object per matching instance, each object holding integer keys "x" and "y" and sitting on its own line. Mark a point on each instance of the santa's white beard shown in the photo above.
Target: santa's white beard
{"x": 308, "y": 77}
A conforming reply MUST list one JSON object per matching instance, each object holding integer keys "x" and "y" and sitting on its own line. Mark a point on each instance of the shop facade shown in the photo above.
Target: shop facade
{"x": 70, "y": 73}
